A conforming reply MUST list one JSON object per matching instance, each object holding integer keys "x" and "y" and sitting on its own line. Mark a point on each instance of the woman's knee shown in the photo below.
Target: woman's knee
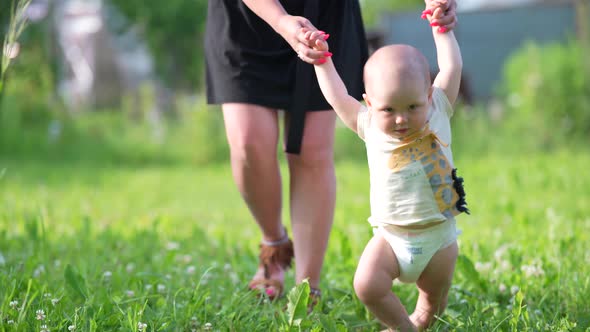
{"x": 315, "y": 154}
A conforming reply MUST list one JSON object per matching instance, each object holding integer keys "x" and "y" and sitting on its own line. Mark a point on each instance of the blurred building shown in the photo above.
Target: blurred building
{"x": 100, "y": 57}
{"x": 488, "y": 33}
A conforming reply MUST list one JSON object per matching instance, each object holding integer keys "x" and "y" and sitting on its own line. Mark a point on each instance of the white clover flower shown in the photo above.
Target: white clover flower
{"x": 161, "y": 288}
{"x": 40, "y": 314}
{"x": 514, "y": 289}
{"x": 191, "y": 269}
{"x": 39, "y": 270}
{"x": 129, "y": 293}
{"x": 172, "y": 245}
{"x": 149, "y": 287}
{"x": 208, "y": 326}
{"x": 502, "y": 288}
{"x": 54, "y": 301}
{"x": 44, "y": 328}
{"x": 141, "y": 326}
{"x": 187, "y": 259}
{"x": 483, "y": 267}
{"x": 13, "y": 304}
{"x": 130, "y": 267}
{"x": 168, "y": 276}
{"x": 107, "y": 274}
{"x": 47, "y": 295}
{"x": 72, "y": 328}
{"x": 57, "y": 263}
{"x": 227, "y": 267}
{"x": 10, "y": 321}
{"x": 533, "y": 270}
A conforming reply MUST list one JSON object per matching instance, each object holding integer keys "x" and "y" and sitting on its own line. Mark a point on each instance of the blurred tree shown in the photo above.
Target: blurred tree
{"x": 173, "y": 30}
{"x": 372, "y": 9}
{"x": 582, "y": 12}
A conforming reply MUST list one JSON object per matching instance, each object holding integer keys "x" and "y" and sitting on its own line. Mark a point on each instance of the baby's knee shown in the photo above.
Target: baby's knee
{"x": 366, "y": 289}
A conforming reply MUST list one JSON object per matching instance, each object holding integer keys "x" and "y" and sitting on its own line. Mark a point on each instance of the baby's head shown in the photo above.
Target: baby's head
{"x": 398, "y": 89}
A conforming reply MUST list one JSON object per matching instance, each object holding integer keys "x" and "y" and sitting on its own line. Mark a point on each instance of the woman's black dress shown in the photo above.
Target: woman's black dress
{"x": 248, "y": 62}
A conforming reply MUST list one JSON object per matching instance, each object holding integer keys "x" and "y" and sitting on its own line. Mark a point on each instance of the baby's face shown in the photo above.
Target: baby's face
{"x": 399, "y": 107}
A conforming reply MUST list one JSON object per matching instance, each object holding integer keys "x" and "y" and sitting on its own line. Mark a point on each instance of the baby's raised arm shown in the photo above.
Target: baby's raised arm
{"x": 449, "y": 59}
{"x": 334, "y": 90}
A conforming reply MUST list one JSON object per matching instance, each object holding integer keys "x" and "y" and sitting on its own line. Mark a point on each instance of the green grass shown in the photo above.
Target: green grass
{"x": 106, "y": 247}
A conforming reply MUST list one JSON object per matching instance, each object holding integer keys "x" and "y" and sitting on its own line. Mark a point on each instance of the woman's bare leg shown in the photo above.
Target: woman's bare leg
{"x": 313, "y": 195}
{"x": 252, "y": 133}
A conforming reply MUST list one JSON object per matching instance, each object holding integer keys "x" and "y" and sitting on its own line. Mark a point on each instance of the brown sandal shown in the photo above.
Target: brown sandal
{"x": 272, "y": 254}
{"x": 315, "y": 294}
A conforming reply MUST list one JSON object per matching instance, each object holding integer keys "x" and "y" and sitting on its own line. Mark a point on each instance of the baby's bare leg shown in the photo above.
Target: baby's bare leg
{"x": 372, "y": 283}
{"x": 433, "y": 285}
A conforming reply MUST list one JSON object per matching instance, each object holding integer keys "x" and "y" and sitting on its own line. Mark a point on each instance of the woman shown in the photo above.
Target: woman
{"x": 253, "y": 52}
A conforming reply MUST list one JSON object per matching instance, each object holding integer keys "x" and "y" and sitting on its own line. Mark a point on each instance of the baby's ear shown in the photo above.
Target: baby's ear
{"x": 367, "y": 101}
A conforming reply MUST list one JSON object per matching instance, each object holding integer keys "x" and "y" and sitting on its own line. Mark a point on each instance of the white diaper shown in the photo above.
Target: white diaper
{"x": 415, "y": 247}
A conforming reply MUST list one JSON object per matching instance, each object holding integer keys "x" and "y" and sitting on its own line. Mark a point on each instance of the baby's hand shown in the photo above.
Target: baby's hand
{"x": 318, "y": 41}
{"x": 435, "y": 12}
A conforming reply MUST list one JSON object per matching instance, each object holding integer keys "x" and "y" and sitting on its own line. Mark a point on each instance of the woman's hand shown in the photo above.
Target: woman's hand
{"x": 293, "y": 30}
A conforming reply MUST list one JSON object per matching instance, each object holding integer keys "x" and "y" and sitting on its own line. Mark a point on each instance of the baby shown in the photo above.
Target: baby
{"x": 415, "y": 193}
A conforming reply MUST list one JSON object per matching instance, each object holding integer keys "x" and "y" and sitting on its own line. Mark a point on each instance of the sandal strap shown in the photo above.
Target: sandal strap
{"x": 283, "y": 240}
{"x": 276, "y": 253}
{"x": 316, "y": 292}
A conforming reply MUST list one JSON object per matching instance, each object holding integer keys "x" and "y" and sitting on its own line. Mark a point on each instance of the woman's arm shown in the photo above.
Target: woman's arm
{"x": 288, "y": 26}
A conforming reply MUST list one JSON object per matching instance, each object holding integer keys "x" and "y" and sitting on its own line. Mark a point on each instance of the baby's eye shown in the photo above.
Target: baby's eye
{"x": 388, "y": 110}
{"x": 413, "y": 107}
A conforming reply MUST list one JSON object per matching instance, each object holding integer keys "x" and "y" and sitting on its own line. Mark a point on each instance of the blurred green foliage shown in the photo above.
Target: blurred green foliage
{"x": 173, "y": 29}
{"x": 547, "y": 92}
{"x": 373, "y": 9}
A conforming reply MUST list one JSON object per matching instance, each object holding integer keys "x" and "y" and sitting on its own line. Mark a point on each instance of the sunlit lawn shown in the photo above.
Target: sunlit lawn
{"x": 104, "y": 247}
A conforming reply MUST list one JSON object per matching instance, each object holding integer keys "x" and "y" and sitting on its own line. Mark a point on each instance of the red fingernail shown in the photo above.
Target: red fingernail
{"x": 442, "y": 29}
{"x": 424, "y": 16}
{"x": 322, "y": 61}
{"x": 326, "y": 36}
{"x": 327, "y": 53}
{"x": 434, "y": 24}
{"x": 320, "y": 31}
{"x": 427, "y": 11}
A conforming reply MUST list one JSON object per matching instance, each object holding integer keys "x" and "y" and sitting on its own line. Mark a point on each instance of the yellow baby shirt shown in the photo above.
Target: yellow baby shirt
{"x": 413, "y": 181}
